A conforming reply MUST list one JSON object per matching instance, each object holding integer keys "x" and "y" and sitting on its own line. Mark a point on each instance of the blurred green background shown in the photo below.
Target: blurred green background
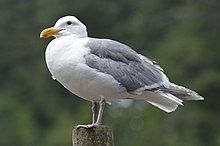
{"x": 182, "y": 36}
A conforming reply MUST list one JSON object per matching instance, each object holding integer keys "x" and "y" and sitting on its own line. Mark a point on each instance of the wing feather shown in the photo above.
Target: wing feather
{"x": 130, "y": 69}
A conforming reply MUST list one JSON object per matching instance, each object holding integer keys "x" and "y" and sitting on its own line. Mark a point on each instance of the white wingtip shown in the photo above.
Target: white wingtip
{"x": 198, "y": 97}
{"x": 193, "y": 96}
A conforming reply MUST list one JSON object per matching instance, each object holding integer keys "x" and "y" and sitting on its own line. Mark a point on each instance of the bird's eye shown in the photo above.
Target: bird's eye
{"x": 68, "y": 22}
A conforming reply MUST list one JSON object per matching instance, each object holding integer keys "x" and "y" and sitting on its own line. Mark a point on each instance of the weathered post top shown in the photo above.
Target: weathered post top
{"x": 97, "y": 136}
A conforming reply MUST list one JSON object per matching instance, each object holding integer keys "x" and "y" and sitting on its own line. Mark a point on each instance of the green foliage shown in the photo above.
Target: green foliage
{"x": 182, "y": 36}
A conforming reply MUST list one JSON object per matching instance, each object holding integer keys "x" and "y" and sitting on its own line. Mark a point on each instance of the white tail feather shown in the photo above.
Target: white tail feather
{"x": 164, "y": 101}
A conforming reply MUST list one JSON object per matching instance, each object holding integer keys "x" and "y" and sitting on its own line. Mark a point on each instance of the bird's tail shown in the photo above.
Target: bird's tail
{"x": 168, "y": 99}
{"x": 182, "y": 92}
{"x": 164, "y": 101}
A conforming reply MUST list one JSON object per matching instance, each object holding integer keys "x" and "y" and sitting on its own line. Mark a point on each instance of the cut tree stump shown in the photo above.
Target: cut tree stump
{"x": 97, "y": 136}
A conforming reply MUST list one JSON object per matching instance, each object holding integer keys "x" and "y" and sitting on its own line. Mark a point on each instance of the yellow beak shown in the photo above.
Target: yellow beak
{"x": 48, "y": 32}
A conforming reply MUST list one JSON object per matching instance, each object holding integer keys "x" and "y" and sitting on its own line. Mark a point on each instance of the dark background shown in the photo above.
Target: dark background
{"x": 182, "y": 36}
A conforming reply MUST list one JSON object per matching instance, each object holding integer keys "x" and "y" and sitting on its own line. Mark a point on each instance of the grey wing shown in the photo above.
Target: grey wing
{"x": 131, "y": 70}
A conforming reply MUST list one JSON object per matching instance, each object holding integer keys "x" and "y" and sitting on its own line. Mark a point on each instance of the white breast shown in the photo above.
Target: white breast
{"x": 65, "y": 60}
{"x": 65, "y": 51}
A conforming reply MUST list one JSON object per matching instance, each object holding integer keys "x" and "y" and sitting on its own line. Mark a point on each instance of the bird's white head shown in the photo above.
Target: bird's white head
{"x": 65, "y": 26}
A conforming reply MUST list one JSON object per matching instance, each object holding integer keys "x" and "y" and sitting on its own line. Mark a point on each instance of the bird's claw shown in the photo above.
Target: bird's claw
{"x": 88, "y": 125}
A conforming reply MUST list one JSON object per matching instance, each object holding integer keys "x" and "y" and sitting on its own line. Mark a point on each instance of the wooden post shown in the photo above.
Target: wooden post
{"x": 97, "y": 136}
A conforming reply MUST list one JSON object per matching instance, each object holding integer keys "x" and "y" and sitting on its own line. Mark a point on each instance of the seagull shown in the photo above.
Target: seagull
{"x": 104, "y": 70}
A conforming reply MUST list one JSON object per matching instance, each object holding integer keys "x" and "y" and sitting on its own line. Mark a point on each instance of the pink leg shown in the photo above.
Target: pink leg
{"x": 94, "y": 111}
{"x": 102, "y": 104}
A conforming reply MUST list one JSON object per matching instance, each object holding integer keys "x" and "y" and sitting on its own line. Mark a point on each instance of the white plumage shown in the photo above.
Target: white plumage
{"x": 66, "y": 62}
{"x": 102, "y": 70}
